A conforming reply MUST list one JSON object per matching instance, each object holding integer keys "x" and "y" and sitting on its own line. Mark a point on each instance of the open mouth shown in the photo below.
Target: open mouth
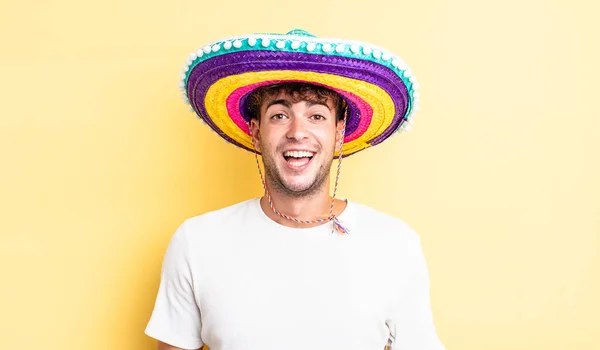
{"x": 298, "y": 159}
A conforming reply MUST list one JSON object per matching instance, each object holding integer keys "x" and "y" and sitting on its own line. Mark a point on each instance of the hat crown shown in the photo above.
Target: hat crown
{"x": 300, "y": 32}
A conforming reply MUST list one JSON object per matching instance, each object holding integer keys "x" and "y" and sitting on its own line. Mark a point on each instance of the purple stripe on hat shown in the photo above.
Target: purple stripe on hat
{"x": 206, "y": 73}
{"x": 352, "y": 119}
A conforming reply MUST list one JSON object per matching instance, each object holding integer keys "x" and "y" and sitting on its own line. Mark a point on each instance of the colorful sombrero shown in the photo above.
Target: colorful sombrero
{"x": 378, "y": 86}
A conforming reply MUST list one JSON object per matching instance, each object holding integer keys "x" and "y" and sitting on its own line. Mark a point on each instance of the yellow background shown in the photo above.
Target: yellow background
{"x": 101, "y": 161}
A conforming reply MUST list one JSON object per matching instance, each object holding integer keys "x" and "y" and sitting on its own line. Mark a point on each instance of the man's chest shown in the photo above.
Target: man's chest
{"x": 330, "y": 293}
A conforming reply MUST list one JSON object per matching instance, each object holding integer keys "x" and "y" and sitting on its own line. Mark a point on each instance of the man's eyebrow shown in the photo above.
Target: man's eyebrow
{"x": 313, "y": 103}
{"x": 286, "y": 103}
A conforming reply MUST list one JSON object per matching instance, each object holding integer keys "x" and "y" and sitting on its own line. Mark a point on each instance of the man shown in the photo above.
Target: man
{"x": 296, "y": 268}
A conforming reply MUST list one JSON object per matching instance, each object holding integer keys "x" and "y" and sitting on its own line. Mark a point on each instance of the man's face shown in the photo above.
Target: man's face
{"x": 297, "y": 141}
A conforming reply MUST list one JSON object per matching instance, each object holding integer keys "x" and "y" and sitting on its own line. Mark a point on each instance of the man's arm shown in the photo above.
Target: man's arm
{"x": 176, "y": 319}
{"x": 412, "y": 327}
{"x": 165, "y": 346}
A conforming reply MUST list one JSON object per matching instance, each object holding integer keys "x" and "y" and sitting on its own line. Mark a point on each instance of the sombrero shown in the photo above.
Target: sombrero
{"x": 378, "y": 87}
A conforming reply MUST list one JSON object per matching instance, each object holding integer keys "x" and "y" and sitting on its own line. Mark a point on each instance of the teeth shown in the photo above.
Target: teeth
{"x": 298, "y": 154}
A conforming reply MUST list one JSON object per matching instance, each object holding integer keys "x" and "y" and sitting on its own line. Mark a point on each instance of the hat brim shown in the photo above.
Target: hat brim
{"x": 379, "y": 95}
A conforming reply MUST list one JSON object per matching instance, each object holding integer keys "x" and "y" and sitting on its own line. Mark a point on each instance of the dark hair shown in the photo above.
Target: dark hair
{"x": 299, "y": 92}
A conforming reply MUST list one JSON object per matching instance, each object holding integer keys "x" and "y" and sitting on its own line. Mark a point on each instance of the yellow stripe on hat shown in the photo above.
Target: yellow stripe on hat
{"x": 379, "y": 100}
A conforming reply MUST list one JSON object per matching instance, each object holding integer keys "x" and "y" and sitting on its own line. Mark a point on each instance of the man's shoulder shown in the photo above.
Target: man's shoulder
{"x": 217, "y": 218}
{"x": 373, "y": 220}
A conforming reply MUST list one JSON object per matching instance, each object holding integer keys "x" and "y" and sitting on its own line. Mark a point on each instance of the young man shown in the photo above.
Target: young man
{"x": 297, "y": 268}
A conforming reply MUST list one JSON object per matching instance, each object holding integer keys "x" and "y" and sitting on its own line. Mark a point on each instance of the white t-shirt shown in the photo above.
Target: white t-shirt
{"x": 234, "y": 279}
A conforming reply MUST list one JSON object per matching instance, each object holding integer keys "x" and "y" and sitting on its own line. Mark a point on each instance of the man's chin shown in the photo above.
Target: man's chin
{"x": 296, "y": 184}
{"x": 298, "y": 187}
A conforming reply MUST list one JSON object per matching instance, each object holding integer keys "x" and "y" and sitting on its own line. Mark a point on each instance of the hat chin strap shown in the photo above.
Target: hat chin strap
{"x": 337, "y": 225}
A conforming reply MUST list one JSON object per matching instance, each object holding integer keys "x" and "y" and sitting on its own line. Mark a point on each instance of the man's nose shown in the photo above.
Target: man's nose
{"x": 297, "y": 128}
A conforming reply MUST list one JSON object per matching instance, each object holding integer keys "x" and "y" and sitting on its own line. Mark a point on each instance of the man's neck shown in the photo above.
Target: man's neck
{"x": 306, "y": 208}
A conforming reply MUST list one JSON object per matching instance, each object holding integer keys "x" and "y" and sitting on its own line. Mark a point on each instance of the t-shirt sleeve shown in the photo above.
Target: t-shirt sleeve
{"x": 412, "y": 326}
{"x": 176, "y": 319}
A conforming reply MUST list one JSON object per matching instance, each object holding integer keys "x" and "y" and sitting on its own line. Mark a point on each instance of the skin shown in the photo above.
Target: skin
{"x": 163, "y": 346}
{"x": 285, "y": 125}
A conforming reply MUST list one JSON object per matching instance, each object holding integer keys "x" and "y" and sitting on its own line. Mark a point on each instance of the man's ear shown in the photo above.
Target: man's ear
{"x": 255, "y": 133}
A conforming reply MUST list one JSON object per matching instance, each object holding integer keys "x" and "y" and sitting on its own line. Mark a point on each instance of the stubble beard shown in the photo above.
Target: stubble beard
{"x": 276, "y": 182}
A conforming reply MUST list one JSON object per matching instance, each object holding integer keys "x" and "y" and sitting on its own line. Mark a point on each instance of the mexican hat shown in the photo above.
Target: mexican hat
{"x": 378, "y": 87}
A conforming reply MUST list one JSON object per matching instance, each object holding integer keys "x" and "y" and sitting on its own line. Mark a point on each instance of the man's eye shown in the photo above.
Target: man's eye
{"x": 318, "y": 117}
{"x": 278, "y": 116}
